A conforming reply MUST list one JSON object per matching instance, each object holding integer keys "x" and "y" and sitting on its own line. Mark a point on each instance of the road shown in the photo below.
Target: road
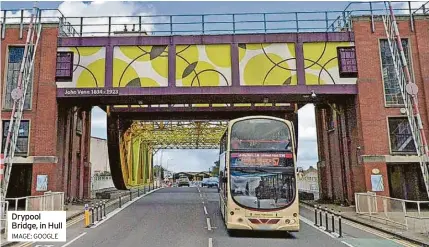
{"x": 189, "y": 217}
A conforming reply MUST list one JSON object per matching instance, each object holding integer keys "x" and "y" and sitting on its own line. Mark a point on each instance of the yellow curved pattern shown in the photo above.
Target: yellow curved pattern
{"x": 186, "y": 57}
{"x": 147, "y": 63}
{"x": 204, "y": 75}
{"x": 205, "y": 65}
{"x": 219, "y": 55}
{"x": 267, "y": 64}
{"x": 92, "y": 75}
{"x": 148, "y": 82}
{"x": 261, "y": 71}
{"x": 86, "y": 51}
{"x": 320, "y": 58}
{"x": 119, "y": 67}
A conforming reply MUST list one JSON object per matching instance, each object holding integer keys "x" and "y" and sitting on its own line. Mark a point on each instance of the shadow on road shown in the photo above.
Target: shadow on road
{"x": 267, "y": 234}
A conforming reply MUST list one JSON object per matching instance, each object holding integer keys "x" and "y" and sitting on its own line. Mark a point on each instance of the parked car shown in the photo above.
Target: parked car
{"x": 183, "y": 181}
{"x": 210, "y": 182}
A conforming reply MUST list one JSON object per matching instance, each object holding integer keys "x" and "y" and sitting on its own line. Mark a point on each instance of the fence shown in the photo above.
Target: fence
{"x": 50, "y": 201}
{"x": 223, "y": 23}
{"x": 99, "y": 182}
{"x": 406, "y": 214}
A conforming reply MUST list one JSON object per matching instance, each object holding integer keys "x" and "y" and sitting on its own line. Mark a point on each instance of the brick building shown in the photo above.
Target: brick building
{"x": 53, "y": 138}
{"x": 372, "y": 133}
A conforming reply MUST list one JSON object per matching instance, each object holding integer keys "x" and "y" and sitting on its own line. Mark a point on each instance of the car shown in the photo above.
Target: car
{"x": 205, "y": 182}
{"x": 210, "y": 182}
{"x": 213, "y": 182}
{"x": 183, "y": 181}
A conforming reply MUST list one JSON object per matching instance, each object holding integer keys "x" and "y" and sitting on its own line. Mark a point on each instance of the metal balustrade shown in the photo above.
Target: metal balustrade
{"x": 211, "y": 24}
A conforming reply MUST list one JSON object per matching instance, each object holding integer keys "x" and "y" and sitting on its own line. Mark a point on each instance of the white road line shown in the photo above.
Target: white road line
{"x": 210, "y": 242}
{"x": 201, "y": 195}
{"x": 116, "y": 211}
{"x": 209, "y": 226}
{"x": 76, "y": 238}
{"x": 344, "y": 242}
{"x": 310, "y": 223}
{"x": 369, "y": 230}
{"x": 205, "y": 210}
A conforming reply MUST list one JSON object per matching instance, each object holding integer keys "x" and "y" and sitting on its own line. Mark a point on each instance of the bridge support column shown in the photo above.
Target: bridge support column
{"x": 337, "y": 146}
{"x": 73, "y": 148}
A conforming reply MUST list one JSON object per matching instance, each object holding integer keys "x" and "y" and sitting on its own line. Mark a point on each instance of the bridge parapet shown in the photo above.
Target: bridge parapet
{"x": 212, "y": 24}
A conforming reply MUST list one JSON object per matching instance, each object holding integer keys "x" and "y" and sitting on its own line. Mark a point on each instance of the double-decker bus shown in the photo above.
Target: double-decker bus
{"x": 257, "y": 175}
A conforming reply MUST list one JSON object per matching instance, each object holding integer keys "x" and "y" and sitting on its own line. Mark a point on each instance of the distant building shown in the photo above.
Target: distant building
{"x": 99, "y": 156}
{"x": 308, "y": 179}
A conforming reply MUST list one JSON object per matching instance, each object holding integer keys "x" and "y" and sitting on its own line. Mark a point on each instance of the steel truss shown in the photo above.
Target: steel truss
{"x": 178, "y": 134}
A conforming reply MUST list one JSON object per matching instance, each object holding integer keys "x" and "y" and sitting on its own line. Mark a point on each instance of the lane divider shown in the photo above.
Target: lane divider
{"x": 205, "y": 210}
{"x": 76, "y": 238}
{"x": 210, "y": 242}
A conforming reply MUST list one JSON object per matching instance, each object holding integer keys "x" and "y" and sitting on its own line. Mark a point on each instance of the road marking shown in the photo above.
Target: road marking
{"x": 210, "y": 242}
{"x": 344, "y": 242}
{"x": 209, "y": 226}
{"x": 205, "y": 210}
{"x": 201, "y": 195}
{"x": 369, "y": 230}
{"x": 116, "y": 211}
{"x": 310, "y": 223}
{"x": 76, "y": 238}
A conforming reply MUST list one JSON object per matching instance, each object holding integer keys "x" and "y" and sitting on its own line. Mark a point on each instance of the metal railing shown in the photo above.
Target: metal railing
{"x": 406, "y": 214}
{"x": 229, "y": 23}
{"x": 50, "y": 201}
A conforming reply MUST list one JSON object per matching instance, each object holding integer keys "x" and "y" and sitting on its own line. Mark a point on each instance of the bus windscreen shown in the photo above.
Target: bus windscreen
{"x": 260, "y": 134}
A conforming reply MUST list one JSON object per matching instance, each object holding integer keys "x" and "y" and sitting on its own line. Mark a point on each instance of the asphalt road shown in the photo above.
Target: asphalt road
{"x": 190, "y": 217}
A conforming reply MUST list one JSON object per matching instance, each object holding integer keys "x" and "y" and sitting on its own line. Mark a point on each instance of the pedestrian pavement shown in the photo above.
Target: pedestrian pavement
{"x": 349, "y": 213}
{"x": 74, "y": 210}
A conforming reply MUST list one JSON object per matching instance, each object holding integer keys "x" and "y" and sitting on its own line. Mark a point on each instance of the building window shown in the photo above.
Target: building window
{"x": 22, "y": 142}
{"x": 16, "y": 53}
{"x": 392, "y": 91}
{"x": 401, "y": 139}
{"x": 64, "y": 70}
{"x": 347, "y": 63}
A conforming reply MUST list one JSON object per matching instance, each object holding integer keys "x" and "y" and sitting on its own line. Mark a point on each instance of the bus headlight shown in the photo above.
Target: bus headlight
{"x": 231, "y": 213}
{"x": 295, "y": 215}
{"x": 287, "y": 221}
{"x": 292, "y": 221}
{"x": 240, "y": 220}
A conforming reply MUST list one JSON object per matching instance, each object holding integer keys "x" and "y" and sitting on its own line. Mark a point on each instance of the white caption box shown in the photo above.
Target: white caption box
{"x": 38, "y": 226}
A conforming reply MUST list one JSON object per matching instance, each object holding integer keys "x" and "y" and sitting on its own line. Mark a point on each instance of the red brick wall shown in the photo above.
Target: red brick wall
{"x": 373, "y": 113}
{"x": 43, "y": 115}
{"x": 47, "y": 137}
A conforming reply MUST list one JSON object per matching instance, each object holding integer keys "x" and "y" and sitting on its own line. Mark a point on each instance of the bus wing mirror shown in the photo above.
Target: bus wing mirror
{"x": 224, "y": 180}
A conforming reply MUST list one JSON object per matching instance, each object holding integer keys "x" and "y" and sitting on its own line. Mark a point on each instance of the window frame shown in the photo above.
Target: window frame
{"x": 64, "y": 78}
{"x": 5, "y": 76}
{"x": 4, "y": 137}
{"x": 348, "y": 74}
{"x": 410, "y": 64}
{"x": 391, "y": 151}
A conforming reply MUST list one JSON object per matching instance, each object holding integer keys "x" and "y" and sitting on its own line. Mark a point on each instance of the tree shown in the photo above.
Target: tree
{"x": 215, "y": 169}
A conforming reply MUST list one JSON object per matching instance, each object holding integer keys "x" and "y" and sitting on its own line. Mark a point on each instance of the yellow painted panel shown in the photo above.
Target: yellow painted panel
{"x": 89, "y": 67}
{"x": 267, "y": 64}
{"x": 321, "y": 63}
{"x": 203, "y": 65}
{"x": 140, "y": 66}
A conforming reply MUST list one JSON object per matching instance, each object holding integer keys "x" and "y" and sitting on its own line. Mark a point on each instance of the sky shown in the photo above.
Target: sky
{"x": 194, "y": 160}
